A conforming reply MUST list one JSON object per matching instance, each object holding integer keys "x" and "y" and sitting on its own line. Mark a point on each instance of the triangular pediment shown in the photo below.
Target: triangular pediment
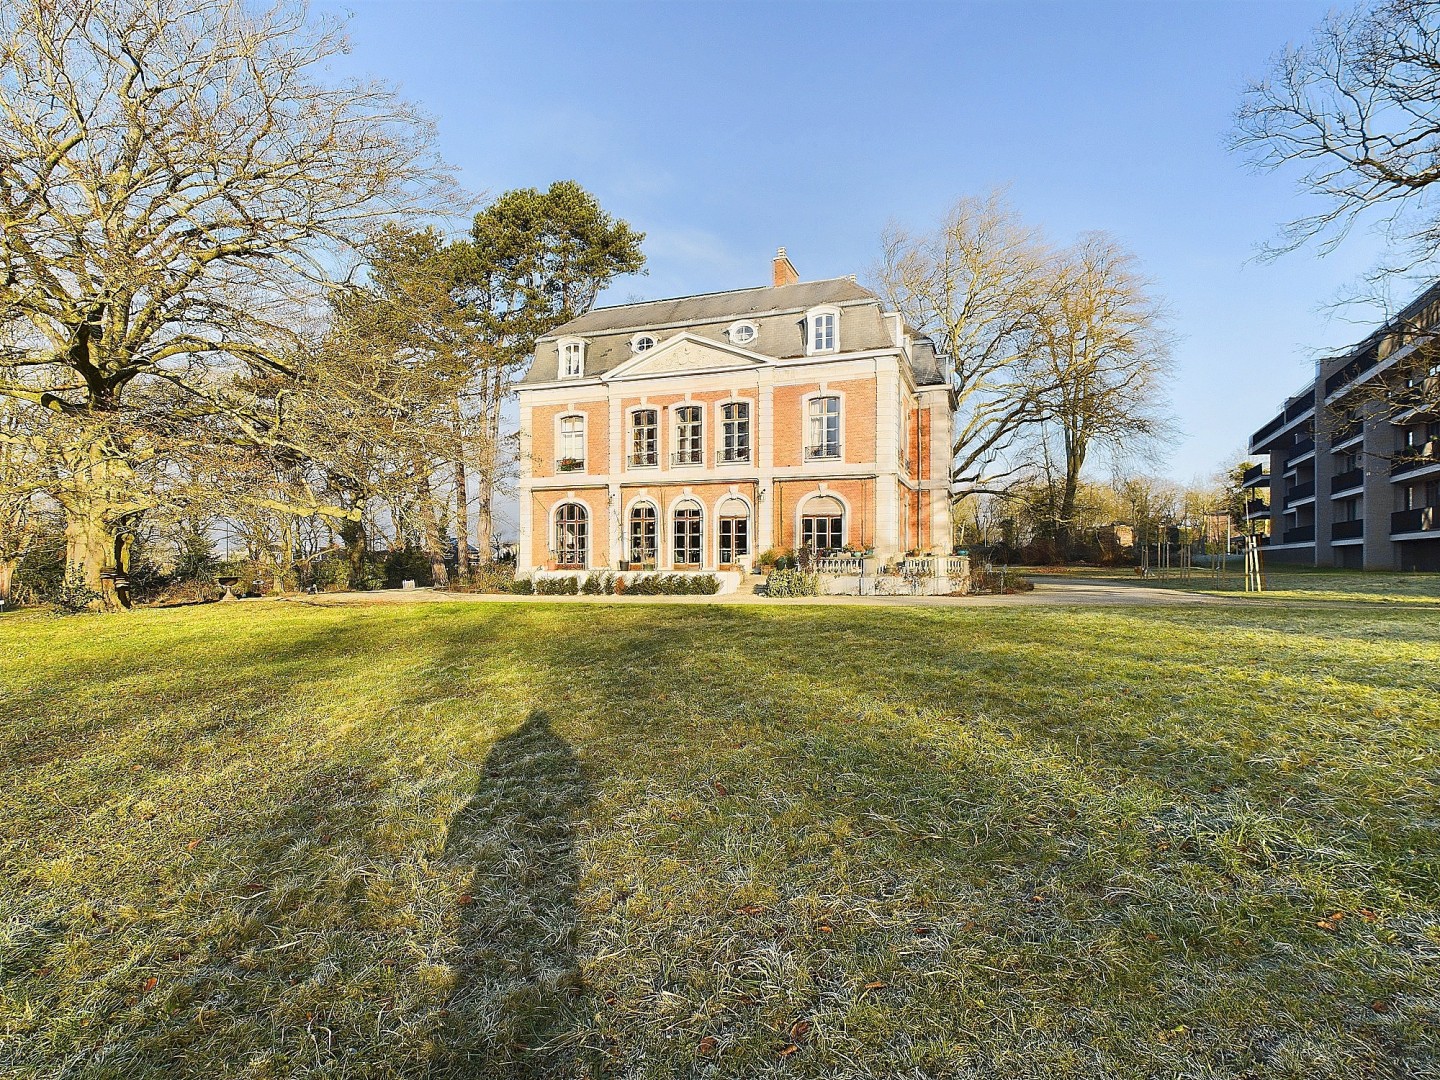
{"x": 685, "y": 353}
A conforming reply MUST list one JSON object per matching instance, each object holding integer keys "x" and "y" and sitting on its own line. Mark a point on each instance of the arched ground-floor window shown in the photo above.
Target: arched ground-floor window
{"x": 822, "y": 524}
{"x": 687, "y": 535}
{"x": 572, "y": 536}
{"x": 733, "y": 525}
{"x": 643, "y": 533}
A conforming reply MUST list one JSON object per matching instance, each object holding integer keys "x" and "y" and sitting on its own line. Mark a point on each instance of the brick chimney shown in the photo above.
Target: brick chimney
{"x": 784, "y": 270}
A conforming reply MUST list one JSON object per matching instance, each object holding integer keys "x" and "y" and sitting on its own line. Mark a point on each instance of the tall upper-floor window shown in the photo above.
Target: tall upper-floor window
{"x": 572, "y": 359}
{"x": 823, "y": 434}
{"x": 824, "y": 327}
{"x": 644, "y": 438}
{"x": 689, "y": 442}
{"x": 734, "y": 432}
{"x": 572, "y": 444}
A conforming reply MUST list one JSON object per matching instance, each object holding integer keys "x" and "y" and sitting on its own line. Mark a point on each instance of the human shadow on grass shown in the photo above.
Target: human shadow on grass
{"x": 518, "y": 1007}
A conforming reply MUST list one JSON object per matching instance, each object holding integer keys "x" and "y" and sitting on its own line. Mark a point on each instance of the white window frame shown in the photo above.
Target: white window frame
{"x": 815, "y": 318}
{"x": 847, "y": 515}
{"x": 561, "y": 439}
{"x": 686, "y": 502}
{"x": 806, "y": 403}
{"x": 659, "y": 520}
{"x": 749, "y": 422}
{"x": 735, "y": 329}
{"x": 637, "y": 346}
{"x": 585, "y": 521}
{"x": 749, "y": 519}
{"x": 630, "y": 451}
{"x": 696, "y": 460}
{"x": 571, "y": 348}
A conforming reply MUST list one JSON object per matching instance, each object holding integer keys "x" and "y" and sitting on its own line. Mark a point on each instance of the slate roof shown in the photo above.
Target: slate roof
{"x": 776, "y": 311}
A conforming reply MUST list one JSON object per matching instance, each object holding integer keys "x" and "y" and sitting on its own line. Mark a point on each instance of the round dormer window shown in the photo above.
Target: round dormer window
{"x": 642, "y": 342}
{"x": 742, "y": 333}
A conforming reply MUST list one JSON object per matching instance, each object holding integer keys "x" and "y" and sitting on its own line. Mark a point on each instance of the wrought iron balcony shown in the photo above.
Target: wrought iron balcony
{"x": 688, "y": 457}
{"x": 644, "y": 459}
{"x": 828, "y": 452}
{"x": 570, "y": 464}
{"x": 738, "y": 455}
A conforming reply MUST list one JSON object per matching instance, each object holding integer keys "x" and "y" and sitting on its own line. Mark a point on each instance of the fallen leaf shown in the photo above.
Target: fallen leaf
{"x": 708, "y": 1045}
{"x": 193, "y": 844}
{"x": 149, "y": 984}
{"x": 1380, "y": 1006}
{"x": 463, "y": 899}
{"x": 876, "y": 985}
{"x": 1368, "y": 915}
{"x": 788, "y": 1050}
{"x": 720, "y": 789}
{"x": 799, "y": 1030}
{"x": 750, "y": 909}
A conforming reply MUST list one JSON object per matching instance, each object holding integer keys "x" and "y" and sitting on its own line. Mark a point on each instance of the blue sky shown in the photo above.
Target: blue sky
{"x": 725, "y": 130}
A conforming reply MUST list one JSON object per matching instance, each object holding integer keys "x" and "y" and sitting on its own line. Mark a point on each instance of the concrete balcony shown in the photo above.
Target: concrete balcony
{"x": 1296, "y": 492}
{"x": 1347, "y": 530}
{"x": 1304, "y": 534}
{"x": 1421, "y": 519}
{"x": 1255, "y": 477}
{"x": 1344, "y": 481}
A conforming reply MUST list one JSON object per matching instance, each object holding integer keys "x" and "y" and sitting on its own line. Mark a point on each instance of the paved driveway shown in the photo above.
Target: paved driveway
{"x": 1045, "y": 594}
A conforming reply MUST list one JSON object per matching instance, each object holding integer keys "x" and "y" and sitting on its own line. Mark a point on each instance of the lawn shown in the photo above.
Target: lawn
{"x": 505, "y": 840}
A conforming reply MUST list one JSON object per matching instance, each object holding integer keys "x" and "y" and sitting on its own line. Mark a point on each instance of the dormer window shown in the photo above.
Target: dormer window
{"x": 822, "y": 327}
{"x": 742, "y": 333}
{"x": 641, "y": 342}
{"x": 572, "y": 359}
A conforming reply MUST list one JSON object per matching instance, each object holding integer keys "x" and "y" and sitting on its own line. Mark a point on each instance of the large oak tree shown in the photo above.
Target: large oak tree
{"x": 178, "y": 181}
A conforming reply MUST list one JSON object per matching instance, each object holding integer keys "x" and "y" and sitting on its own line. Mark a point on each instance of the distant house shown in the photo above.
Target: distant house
{"x": 697, "y": 432}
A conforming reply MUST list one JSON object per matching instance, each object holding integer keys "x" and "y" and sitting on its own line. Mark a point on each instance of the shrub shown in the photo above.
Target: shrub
{"x": 792, "y": 583}
{"x": 769, "y": 558}
{"x": 331, "y": 575}
{"x": 598, "y": 584}
{"x": 407, "y": 564}
{"x": 521, "y": 587}
{"x": 74, "y": 595}
{"x": 557, "y": 586}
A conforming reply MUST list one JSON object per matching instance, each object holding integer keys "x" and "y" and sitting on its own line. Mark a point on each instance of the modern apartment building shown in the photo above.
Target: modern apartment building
{"x": 1354, "y": 470}
{"x": 696, "y": 433}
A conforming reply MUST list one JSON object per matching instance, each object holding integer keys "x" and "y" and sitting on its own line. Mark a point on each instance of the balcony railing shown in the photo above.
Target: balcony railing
{"x": 1420, "y": 456}
{"x": 688, "y": 457}
{"x": 1421, "y": 519}
{"x": 1255, "y": 476}
{"x": 1347, "y": 530}
{"x": 1352, "y": 371}
{"x": 570, "y": 464}
{"x": 1304, "y": 534}
{"x": 645, "y": 459}
{"x": 1269, "y": 429}
{"x": 1353, "y": 478}
{"x": 822, "y": 453}
{"x": 739, "y": 455}
{"x": 1300, "y": 449}
{"x": 1256, "y": 508}
{"x": 1299, "y": 491}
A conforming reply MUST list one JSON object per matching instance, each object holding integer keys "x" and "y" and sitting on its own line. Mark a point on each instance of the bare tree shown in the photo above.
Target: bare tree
{"x": 1357, "y": 109}
{"x": 1100, "y": 365}
{"x": 978, "y": 284}
{"x": 176, "y": 180}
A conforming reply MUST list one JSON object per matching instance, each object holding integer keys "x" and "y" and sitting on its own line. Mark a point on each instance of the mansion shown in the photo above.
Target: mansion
{"x": 698, "y": 432}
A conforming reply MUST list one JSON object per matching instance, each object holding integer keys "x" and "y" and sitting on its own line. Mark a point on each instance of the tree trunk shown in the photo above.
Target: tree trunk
{"x": 434, "y": 547}
{"x": 91, "y": 544}
{"x": 485, "y": 489}
{"x": 7, "y": 576}
{"x": 462, "y": 503}
{"x": 1074, "y": 463}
